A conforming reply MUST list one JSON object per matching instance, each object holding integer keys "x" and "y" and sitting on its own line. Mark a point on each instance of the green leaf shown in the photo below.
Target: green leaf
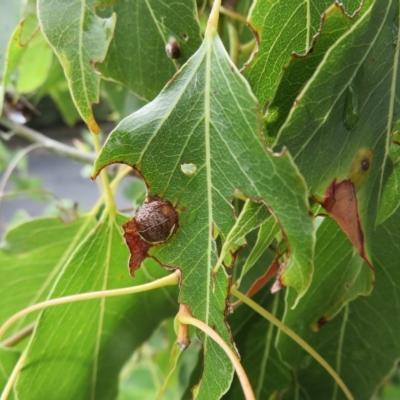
{"x": 31, "y": 256}
{"x": 78, "y": 349}
{"x": 207, "y": 116}
{"x": 390, "y": 195}
{"x": 121, "y": 99}
{"x": 255, "y": 338}
{"x": 80, "y": 39}
{"x": 251, "y": 217}
{"x": 362, "y": 342}
{"x": 32, "y": 69}
{"x": 336, "y": 133}
{"x": 137, "y": 56}
{"x": 8, "y": 358}
{"x": 340, "y": 276}
{"x": 10, "y": 16}
{"x": 301, "y": 68}
{"x": 282, "y": 28}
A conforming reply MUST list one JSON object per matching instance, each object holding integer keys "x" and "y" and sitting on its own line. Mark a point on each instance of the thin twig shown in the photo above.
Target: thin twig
{"x": 165, "y": 281}
{"x": 51, "y": 145}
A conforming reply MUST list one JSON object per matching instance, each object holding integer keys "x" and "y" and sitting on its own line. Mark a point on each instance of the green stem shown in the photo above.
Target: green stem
{"x": 212, "y": 24}
{"x": 234, "y": 43}
{"x": 109, "y": 197}
{"x": 233, "y": 14}
{"x": 166, "y": 281}
{"x": 271, "y": 318}
{"x": 185, "y": 318}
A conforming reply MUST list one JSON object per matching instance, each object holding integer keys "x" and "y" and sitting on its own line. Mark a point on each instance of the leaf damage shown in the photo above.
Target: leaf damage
{"x": 154, "y": 222}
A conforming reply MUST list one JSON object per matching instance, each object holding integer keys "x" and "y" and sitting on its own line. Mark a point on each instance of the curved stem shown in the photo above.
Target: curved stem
{"x": 166, "y": 281}
{"x": 302, "y": 343}
{"x": 185, "y": 318}
{"x": 13, "y": 376}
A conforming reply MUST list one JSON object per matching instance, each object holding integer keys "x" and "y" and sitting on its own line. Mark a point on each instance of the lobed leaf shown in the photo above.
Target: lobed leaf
{"x": 206, "y": 117}
{"x": 339, "y": 129}
{"x": 282, "y": 28}
{"x": 300, "y": 68}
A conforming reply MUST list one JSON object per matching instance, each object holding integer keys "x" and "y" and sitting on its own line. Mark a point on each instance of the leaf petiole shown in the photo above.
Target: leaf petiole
{"x": 302, "y": 343}
{"x": 169, "y": 280}
{"x": 185, "y": 318}
{"x": 110, "y": 202}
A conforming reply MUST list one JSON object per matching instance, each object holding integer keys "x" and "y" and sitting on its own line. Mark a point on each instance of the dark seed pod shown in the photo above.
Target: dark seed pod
{"x": 172, "y": 49}
{"x": 155, "y": 221}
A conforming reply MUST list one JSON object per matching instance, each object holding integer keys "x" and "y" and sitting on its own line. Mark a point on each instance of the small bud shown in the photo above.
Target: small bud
{"x": 172, "y": 49}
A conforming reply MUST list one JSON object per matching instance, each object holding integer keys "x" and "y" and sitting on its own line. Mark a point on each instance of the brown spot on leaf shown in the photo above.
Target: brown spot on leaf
{"x": 341, "y": 204}
{"x": 321, "y": 322}
{"x": 153, "y": 223}
{"x": 360, "y": 166}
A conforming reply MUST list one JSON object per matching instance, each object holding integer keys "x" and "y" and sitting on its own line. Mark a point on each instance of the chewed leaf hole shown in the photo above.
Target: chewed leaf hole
{"x": 189, "y": 169}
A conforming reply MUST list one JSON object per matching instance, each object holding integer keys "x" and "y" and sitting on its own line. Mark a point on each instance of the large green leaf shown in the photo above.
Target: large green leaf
{"x": 206, "y": 118}
{"x": 137, "y": 56}
{"x": 339, "y": 129}
{"x": 361, "y": 343}
{"x": 282, "y": 28}
{"x": 80, "y": 39}
{"x": 32, "y": 254}
{"x": 78, "y": 349}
